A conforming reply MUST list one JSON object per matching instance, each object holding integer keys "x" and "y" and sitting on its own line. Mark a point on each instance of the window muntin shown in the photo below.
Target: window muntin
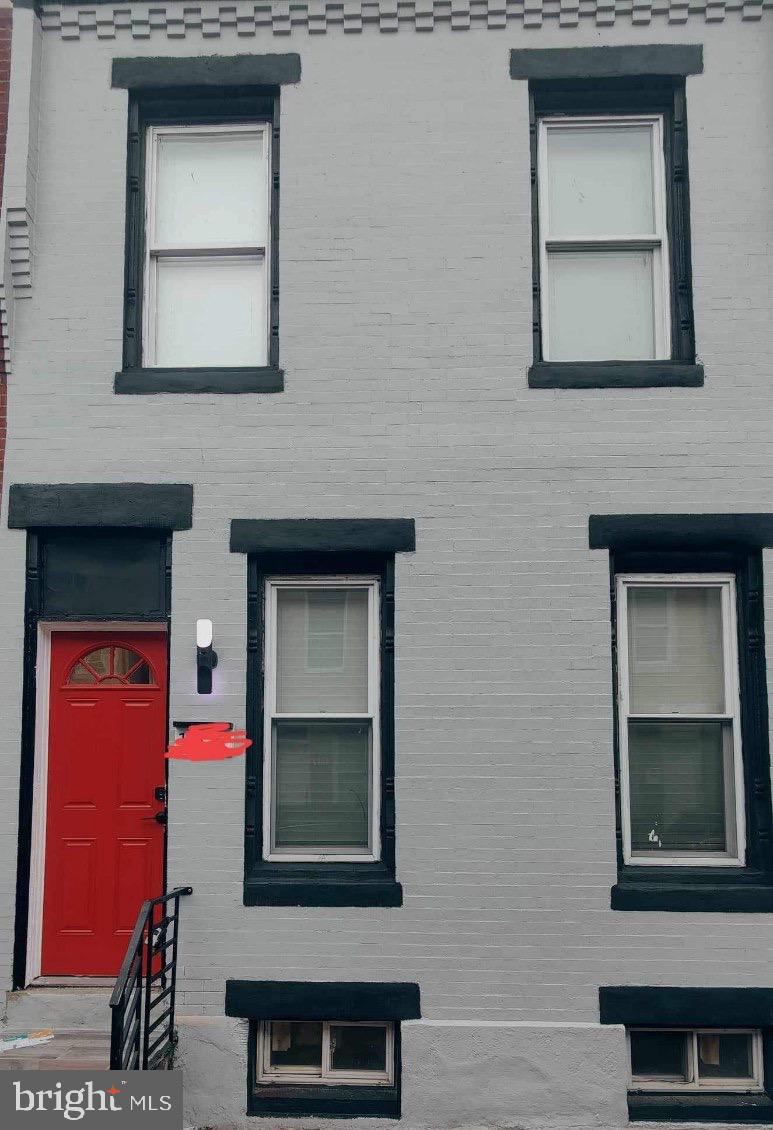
{"x": 207, "y": 235}
{"x": 681, "y": 769}
{"x": 326, "y": 1052}
{"x": 604, "y": 260}
{"x": 321, "y": 730}
{"x": 703, "y": 1059}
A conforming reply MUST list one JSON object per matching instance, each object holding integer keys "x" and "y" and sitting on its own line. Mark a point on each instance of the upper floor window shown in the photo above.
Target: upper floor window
{"x": 207, "y": 235}
{"x": 603, "y": 240}
{"x": 612, "y": 276}
{"x": 201, "y": 294}
{"x": 681, "y": 771}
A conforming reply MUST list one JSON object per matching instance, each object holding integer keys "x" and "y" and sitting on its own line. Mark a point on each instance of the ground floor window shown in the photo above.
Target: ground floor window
{"x": 706, "y": 1059}
{"x": 326, "y": 1052}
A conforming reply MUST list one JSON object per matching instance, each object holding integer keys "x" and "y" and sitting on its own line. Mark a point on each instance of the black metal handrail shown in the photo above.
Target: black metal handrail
{"x": 142, "y": 1038}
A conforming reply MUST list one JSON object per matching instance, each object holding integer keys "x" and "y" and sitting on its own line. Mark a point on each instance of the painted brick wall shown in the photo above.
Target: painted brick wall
{"x": 406, "y": 336}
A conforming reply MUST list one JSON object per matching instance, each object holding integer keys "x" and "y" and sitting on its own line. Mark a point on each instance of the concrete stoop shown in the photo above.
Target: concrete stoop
{"x": 69, "y": 1007}
{"x": 78, "y": 1015}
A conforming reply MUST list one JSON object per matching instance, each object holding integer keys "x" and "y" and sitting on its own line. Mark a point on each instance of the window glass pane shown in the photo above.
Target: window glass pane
{"x": 358, "y": 1047}
{"x": 210, "y": 311}
{"x": 322, "y": 784}
{"x": 725, "y": 1056}
{"x": 659, "y": 1055}
{"x": 124, "y": 660}
{"x": 141, "y": 675}
{"x": 679, "y": 774}
{"x": 295, "y": 1044}
{"x": 601, "y": 305}
{"x": 322, "y": 651}
{"x": 99, "y": 660}
{"x": 675, "y": 654}
{"x": 600, "y": 181}
{"x": 211, "y": 190}
{"x": 79, "y": 674}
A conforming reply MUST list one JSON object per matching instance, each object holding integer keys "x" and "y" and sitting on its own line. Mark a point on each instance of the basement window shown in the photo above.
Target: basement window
{"x": 695, "y": 1060}
{"x": 326, "y": 1053}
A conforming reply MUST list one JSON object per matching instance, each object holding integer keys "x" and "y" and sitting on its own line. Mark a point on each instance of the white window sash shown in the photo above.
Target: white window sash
{"x": 154, "y": 250}
{"x": 323, "y": 854}
{"x": 326, "y": 1076}
{"x": 735, "y": 805}
{"x": 693, "y": 1081}
{"x": 656, "y": 241}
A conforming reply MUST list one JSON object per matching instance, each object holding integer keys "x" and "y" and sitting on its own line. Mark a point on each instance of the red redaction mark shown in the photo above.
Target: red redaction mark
{"x": 209, "y": 741}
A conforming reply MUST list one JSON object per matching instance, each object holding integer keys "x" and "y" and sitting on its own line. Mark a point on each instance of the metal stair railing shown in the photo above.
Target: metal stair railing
{"x": 142, "y": 1037}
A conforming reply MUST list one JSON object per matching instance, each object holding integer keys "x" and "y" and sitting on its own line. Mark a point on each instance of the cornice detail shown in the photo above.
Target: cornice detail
{"x": 177, "y": 20}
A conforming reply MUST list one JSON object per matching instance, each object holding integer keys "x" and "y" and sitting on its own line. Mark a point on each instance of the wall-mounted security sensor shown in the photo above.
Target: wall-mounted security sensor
{"x": 206, "y": 657}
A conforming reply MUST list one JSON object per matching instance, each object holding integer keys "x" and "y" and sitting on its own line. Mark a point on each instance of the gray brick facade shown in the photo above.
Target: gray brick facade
{"x": 405, "y": 336}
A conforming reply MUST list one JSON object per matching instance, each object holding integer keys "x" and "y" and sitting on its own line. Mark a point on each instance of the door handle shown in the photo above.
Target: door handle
{"x": 159, "y": 817}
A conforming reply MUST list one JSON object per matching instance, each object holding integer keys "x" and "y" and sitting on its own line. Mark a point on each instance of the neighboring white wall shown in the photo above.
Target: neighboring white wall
{"x": 405, "y": 337}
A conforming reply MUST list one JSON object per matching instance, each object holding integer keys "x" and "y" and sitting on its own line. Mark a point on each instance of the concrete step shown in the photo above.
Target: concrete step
{"x": 62, "y": 1007}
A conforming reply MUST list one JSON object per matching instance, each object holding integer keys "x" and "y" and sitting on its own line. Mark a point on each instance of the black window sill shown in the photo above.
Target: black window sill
{"x": 698, "y": 890}
{"x": 615, "y": 374}
{"x": 143, "y": 382}
{"x": 699, "y": 1108}
{"x": 324, "y": 1102}
{"x": 321, "y": 884}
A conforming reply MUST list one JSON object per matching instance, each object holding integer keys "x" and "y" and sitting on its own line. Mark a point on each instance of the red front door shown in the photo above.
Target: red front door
{"x": 106, "y": 744}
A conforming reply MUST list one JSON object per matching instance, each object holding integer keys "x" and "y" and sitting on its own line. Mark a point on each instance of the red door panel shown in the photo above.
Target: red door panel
{"x": 106, "y": 743}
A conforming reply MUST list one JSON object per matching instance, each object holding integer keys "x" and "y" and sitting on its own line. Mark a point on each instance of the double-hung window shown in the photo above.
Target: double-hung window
{"x": 321, "y": 768}
{"x": 611, "y": 261}
{"x": 681, "y": 768}
{"x": 603, "y": 239}
{"x": 201, "y": 286}
{"x": 207, "y": 235}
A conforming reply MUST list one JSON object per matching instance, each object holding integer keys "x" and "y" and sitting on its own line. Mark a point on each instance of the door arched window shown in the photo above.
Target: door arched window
{"x": 111, "y": 666}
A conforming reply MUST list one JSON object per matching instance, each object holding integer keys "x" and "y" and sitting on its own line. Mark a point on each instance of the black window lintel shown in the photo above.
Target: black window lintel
{"x": 323, "y": 535}
{"x": 150, "y": 506}
{"x": 322, "y": 1000}
{"x": 136, "y": 73}
{"x": 551, "y": 63}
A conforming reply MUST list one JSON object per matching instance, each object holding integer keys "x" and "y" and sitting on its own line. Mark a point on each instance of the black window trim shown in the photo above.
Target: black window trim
{"x": 660, "y": 94}
{"x": 341, "y": 1100}
{"x": 181, "y": 105}
{"x": 710, "y": 889}
{"x": 318, "y": 884}
{"x": 322, "y": 1000}
{"x": 638, "y": 1006}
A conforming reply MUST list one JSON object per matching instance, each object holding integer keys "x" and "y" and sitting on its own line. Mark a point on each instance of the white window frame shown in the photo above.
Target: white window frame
{"x": 656, "y": 241}
{"x": 732, "y": 716}
{"x": 326, "y": 1077}
{"x": 693, "y": 1082}
{"x": 324, "y": 854}
{"x": 154, "y": 251}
